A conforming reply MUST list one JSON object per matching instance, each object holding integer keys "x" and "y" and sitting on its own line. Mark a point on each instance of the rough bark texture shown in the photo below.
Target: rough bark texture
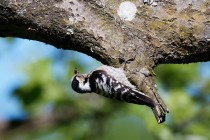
{"x": 173, "y": 31}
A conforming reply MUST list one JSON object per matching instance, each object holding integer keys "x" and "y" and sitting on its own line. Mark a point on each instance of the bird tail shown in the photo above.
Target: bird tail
{"x": 158, "y": 109}
{"x": 159, "y": 114}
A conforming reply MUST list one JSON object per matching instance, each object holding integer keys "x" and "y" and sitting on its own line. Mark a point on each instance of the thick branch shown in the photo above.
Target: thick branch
{"x": 168, "y": 33}
{"x": 177, "y": 32}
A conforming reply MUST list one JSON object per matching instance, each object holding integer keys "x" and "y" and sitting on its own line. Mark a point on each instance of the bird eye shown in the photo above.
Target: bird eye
{"x": 80, "y": 77}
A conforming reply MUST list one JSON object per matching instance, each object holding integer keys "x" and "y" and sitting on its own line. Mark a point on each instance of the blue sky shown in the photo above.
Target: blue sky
{"x": 12, "y": 55}
{"x": 22, "y": 51}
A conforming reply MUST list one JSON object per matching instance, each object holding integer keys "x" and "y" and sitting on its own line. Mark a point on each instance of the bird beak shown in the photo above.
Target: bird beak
{"x": 76, "y": 71}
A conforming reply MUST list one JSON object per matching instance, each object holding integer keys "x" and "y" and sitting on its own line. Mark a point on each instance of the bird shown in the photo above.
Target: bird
{"x": 112, "y": 83}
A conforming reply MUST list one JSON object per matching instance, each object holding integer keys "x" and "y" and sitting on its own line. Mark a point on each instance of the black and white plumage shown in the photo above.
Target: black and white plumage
{"x": 151, "y": 2}
{"x": 113, "y": 83}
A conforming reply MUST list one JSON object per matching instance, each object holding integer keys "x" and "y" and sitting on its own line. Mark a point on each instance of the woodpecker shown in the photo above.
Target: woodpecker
{"x": 112, "y": 83}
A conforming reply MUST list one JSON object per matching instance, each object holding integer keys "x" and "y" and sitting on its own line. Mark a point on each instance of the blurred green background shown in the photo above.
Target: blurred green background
{"x": 37, "y": 102}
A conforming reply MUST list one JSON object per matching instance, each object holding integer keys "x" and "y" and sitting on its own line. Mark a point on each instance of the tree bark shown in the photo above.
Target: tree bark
{"x": 167, "y": 31}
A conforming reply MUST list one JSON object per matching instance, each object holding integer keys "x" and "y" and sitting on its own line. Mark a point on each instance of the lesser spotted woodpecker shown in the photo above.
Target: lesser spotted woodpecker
{"x": 112, "y": 83}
